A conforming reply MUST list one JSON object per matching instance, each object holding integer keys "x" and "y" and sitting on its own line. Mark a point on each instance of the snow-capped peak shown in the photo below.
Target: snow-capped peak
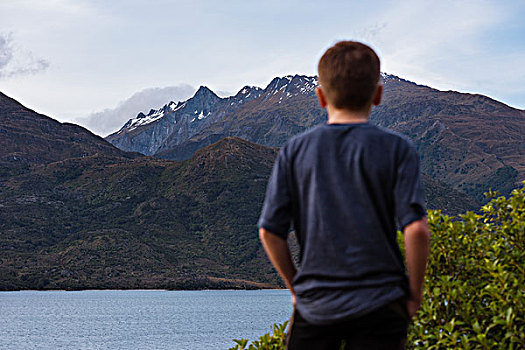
{"x": 142, "y": 119}
{"x": 205, "y": 92}
{"x": 292, "y": 85}
{"x": 385, "y": 77}
{"x": 247, "y": 93}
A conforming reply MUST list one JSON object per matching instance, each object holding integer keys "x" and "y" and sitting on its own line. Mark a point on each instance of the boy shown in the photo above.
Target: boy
{"x": 345, "y": 185}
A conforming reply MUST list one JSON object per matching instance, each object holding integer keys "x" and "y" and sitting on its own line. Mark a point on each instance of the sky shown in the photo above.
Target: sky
{"x": 98, "y": 63}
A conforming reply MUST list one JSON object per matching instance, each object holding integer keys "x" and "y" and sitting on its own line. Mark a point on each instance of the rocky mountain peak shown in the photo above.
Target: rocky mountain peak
{"x": 248, "y": 91}
{"x": 143, "y": 119}
{"x": 205, "y": 93}
{"x": 292, "y": 85}
{"x": 390, "y": 78}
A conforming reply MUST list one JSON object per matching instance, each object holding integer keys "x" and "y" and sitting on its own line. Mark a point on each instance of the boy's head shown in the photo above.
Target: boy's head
{"x": 349, "y": 74}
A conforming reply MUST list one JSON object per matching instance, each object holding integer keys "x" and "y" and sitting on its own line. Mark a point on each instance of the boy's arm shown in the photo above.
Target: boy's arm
{"x": 417, "y": 245}
{"x": 279, "y": 254}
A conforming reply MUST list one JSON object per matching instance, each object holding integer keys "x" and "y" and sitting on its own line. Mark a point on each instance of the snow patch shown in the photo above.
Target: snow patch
{"x": 309, "y": 86}
{"x": 152, "y": 116}
{"x": 181, "y": 106}
{"x": 385, "y": 77}
{"x": 142, "y": 119}
{"x": 202, "y": 116}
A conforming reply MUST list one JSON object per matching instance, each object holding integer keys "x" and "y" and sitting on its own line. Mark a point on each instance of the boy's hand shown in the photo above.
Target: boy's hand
{"x": 413, "y": 305}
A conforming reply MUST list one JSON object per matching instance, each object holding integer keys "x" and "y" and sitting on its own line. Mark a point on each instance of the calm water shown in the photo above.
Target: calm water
{"x": 137, "y": 319}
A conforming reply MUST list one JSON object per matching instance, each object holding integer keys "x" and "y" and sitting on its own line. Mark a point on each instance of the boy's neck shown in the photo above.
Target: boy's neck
{"x": 345, "y": 116}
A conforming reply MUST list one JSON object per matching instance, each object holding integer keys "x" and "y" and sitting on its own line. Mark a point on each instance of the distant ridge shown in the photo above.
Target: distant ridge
{"x": 206, "y": 118}
{"x": 468, "y": 141}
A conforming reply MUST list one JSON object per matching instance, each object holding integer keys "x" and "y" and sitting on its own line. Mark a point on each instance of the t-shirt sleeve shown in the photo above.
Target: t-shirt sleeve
{"x": 276, "y": 212}
{"x": 408, "y": 191}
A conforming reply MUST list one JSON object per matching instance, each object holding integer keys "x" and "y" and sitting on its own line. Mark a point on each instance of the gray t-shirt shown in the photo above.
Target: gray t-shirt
{"x": 346, "y": 188}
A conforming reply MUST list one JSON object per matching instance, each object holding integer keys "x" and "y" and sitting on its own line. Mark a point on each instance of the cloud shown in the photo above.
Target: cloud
{"x": 371, "y": 32}
{"x": 15, "y": 61}
{"x": 223, "y": 93}
{"x": 6, "y": 52}
{"x": 452, "y": 45}
{"x": 112, "y": 119}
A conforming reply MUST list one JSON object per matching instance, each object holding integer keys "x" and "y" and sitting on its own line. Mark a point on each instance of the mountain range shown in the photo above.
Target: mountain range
{"x": 177, "y": 208}
{"x": 470, "y": 142}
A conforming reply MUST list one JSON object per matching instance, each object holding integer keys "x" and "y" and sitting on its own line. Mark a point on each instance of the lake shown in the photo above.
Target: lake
{"x": 138, "y": 319}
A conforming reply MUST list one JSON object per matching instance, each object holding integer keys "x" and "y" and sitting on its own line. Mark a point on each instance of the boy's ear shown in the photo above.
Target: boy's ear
{"x": 321, "y": 97}
{"x": 377, "y": 96}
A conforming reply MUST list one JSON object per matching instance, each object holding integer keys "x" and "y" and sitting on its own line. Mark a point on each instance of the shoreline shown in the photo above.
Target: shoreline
{"x": 139, "y": 290}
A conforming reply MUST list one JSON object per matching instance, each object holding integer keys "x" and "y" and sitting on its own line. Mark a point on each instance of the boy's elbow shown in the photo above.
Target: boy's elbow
{"x": 419, "y": 228}
{"x": 265, "y": 235}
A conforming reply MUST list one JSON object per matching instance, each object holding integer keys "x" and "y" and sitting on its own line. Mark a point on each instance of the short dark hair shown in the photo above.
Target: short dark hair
{"x": 349, "y": 73}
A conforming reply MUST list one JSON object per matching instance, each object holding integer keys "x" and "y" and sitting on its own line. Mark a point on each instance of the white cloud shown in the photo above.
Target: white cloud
{"x": 223, "y": 93}
{"x": 16, "y": 61}
{"x": 112, "y": 119}
{"x": 455, "y": 45}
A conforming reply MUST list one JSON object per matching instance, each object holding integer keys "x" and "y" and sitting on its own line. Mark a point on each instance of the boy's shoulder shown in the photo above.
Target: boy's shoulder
{"x": 394, "y": 135}
{"x": 362, "y": 131}
{"x": 313, "y": 132}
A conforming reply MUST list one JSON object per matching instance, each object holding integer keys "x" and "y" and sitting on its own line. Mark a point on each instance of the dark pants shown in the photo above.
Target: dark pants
{"x": 383, "y": 329}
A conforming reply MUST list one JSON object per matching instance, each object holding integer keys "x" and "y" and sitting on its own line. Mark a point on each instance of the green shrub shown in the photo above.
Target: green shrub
{"x": 475, "y": 282}
{"x": 474, "y": 288}
{"x": 269, "y": 341}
